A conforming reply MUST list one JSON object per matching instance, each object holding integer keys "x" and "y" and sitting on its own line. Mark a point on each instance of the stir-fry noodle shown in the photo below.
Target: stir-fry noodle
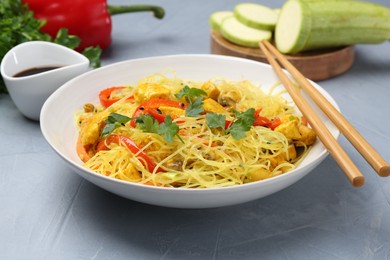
{"x": 170, "y": 132}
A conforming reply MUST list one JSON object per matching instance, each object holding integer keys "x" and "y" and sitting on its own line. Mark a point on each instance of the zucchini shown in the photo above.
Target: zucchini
{"x": 240, "y": 34}
{"x": 216, "y": 19}
{"x": 256, "y": 16}
{"x": 317, "y": 24}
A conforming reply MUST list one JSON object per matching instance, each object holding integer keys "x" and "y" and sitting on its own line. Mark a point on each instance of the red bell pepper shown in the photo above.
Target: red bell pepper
{"x": 275, "y": 123}
{"x": 89, "y": 20}
{"x": 121, "y": 139}
{"x": 105, "y": 96}
{"x": 263, "y": 121}
{"x": 82, "y": 150}
{"x": 260, "y": 121}
{"x": 151, "y": 107}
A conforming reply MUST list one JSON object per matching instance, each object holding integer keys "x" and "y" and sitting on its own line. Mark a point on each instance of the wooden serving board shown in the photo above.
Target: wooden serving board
{"x": 315, "y": 65}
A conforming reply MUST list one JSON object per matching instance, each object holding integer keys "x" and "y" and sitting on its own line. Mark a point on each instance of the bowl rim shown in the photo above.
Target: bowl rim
{"x": 319, "y": 158}
{"x": 80, "y": 60}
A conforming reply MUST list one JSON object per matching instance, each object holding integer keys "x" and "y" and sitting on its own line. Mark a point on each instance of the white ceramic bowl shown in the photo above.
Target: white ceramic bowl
{"x": 57, "y": 124}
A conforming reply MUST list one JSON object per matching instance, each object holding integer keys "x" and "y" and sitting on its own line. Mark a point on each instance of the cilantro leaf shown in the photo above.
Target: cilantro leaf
{"x": 247, "y": 117}
{"x": 108, "y": 129}
{"x": 195, "y": 108}
{"x": 194, "y": 98}
{"x": 113, "y": 122}
{"x": 190, "y": 94}
{"x": 169, "y": 129}
{"x": 183, "y": 93}
{"x": 214, "y": 120}
{"x": 243, "y": 123}
{"x": 67, "y": 40}
{"x": 147, "y": 123}
{"x": 238, "y": 129}
{"x": 117, "y": 118}
{"x": 93, "y": 54}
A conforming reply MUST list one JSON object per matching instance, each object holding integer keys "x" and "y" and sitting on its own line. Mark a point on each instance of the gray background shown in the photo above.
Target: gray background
{"x": 49, "y": 212}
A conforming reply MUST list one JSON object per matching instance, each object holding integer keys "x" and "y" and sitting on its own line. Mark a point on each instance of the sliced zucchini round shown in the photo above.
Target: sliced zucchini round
{"x": 240, "y": 34}
{"x": 216, "y": 19}
{"x": 293, "y": 27}
{"x": 256, "y": 16}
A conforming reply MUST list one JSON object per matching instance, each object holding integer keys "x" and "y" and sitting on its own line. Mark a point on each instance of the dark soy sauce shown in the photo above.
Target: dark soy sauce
{"x": 34, "y": 71}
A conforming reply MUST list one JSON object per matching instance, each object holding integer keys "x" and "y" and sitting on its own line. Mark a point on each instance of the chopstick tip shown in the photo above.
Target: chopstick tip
{"x": 358, "y": 181}
{"x": 384, "y": 171}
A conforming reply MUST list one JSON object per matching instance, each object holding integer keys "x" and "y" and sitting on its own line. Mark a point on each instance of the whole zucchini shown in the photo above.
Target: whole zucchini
{"x": 317, "y": 24}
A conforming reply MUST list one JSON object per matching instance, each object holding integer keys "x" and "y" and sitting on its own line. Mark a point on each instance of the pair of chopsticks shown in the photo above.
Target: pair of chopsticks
{"x": 341, "y": 157}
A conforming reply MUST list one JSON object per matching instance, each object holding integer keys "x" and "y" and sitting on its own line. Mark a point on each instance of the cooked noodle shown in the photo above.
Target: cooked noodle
{"x": 203, "y": 157}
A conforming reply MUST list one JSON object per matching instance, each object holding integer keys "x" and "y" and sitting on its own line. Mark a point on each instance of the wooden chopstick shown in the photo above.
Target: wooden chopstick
{"x": 341, "y": 157}
{"x": 357, "y": 140}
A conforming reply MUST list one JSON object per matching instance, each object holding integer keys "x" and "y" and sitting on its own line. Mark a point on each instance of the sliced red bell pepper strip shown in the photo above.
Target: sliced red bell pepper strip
{"x": 264, "y": 121}
{"x": 132, "y": 146}
{"x": 154, "y": 112}
{"x": 105, "y": 96}
{"x": 275, "y": 123}
{"x": 151, "y": 107}
{"x": 82, "y": 150}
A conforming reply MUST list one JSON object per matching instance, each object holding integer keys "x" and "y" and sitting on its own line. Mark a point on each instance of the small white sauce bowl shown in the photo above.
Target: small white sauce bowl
{"x": 30, "y": 92}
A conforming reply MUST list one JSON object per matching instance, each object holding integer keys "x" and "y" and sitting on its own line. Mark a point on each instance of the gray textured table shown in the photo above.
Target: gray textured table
{"x": 49, "y": 212}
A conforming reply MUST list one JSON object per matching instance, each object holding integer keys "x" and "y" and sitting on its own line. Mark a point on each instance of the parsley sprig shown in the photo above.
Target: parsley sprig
{"x": 214, "y": 120}
{"x": 243, "y": 123}
{"x": 237, "y": 128}
{"x": 194, "y": 98}
{"x": 169, "y": 129}
{"x": 113, "y": 122}
{"x": 147, "y": 123}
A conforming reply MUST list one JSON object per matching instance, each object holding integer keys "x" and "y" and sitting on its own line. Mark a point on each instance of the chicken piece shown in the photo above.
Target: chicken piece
{"x": 288, "y": 118}
{"x": 174, "y": 112}
{"x": 290, "y": 129}
{"x": 308, "y": 136}
{"x": 210, "y": 105}
{"x": 258, "y": 174}
{"x": 284, "y": 157}
{"x": 131, "y": 173}
{"x": 277, "y": 160}
{"x": 147, "y": 91}
{"x": 229, "y": 98}
{"x": 211, "y": 89}
{"x": 91, "y": 127}
{"x": 291, "y": 153}
{"x": 274, "y": 161}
